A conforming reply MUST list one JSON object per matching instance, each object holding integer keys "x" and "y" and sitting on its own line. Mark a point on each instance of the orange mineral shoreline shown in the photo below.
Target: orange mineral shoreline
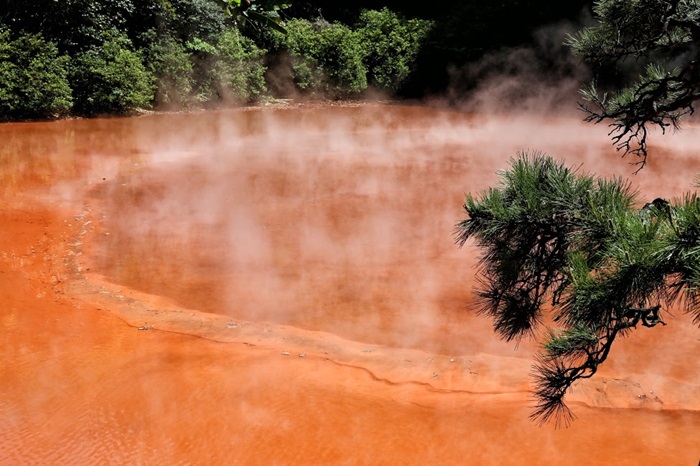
{"x": 99, "y": 369}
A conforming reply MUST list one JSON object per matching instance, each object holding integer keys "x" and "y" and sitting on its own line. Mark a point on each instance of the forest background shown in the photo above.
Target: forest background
{"x": 61, "y": 58}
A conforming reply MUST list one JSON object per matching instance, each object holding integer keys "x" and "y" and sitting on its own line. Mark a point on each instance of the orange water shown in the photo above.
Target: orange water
{"x": 299, "y": 296}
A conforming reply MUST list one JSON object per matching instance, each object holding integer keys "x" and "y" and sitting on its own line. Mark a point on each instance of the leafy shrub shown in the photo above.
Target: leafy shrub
{"x": 391, "y": 43}
{"x": 169, "y": 61}
{"x": 230, "y": 69}
{"x": 203, "y": 56}
{"x": 33, "y": 78}
{"x": 111, "y": 78}
{"x": 240, "y": 70}
{"x": 325, "y": 57}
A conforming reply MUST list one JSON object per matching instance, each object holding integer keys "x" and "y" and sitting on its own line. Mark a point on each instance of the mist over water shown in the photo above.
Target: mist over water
{"x": 331, "y": 219}
{"x": 334, "y": 219}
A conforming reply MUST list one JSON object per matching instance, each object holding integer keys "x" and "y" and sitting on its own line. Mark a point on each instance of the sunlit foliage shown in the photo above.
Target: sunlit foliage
{"x": 33, "y": 78}
{"x": 111, "y": 78}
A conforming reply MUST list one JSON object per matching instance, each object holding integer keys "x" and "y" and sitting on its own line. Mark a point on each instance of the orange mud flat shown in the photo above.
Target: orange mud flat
{"x": 281, "y": 287}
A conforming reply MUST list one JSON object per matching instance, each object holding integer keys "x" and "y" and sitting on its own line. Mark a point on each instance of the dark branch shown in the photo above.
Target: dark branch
{"x": 655, "y": 102}
{"x": 664, "y": 28}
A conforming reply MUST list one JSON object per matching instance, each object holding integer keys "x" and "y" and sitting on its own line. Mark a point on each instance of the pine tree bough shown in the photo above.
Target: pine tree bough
{"x": 665, "y": 34}
{"x": 552, "y": 238}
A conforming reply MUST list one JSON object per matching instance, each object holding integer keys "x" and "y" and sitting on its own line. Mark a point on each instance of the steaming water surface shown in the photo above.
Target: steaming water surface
{"x": 335, "y": 222}
{"x": 338, "y": 221}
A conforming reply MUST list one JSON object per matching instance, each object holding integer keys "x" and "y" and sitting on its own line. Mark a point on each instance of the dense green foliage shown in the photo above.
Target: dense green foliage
{"x": 34, "y": 78}
{"x": 463, "y": 33}
{"x": 169, "y": 62}
{"x": 231, "y": 70}
{"x": 402, "y": 48}
{"x": 257, "y": 15}
{"x": 661, "y": 37}
{"x": 110, "y": 78}
{"x": 580, "y": 246}
{"x": 391, "y": 45}
{"x": 127, "y": 55}
{"x": 196, "y": 19}
{"x": 332, "y": 59}
{"x": 326, "y": 58}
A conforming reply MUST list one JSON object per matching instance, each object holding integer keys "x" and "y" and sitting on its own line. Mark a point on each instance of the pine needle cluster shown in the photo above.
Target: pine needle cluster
{"x": 664, "y": 34}
{"x": 581, "y": 246}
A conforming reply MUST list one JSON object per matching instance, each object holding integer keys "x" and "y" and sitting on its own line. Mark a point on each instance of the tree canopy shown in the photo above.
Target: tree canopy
{"x": 95, "y": 57}
{"x": 404, "y": 49}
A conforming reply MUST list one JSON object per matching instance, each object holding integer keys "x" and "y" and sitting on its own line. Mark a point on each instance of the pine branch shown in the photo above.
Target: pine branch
{"x": 657, "y": 100}
{"x": 549, "y": 234}
{"x": 636, "y": 30}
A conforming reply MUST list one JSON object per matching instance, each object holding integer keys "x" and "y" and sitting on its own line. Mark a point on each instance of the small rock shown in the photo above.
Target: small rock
{"x": 285, "y": 353}
{"x": 302, "y": 355}
{"x": 452, "y": 359}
